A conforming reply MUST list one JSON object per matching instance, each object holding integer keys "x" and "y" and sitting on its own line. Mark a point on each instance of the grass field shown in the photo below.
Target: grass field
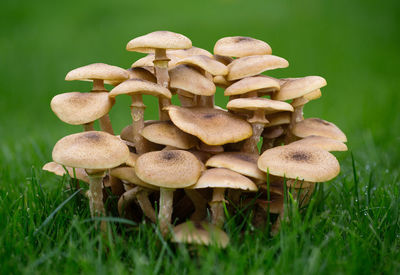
{"x": 352, "y": 224}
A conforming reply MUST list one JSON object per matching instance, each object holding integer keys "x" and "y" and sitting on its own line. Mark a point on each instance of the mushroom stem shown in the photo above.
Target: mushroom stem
{"x": 161, "y": 70}
{"x": 200, "y": 204}
{"x": 250, "y": 145}
{"x": 165, "y": 212}
{"x": 303, "y": 194}
{"x": 137, "y": 113}
{"x": 213, "y": 149}
{"x": 185, "y": 101}
{"x": 143, "y": 199}
{"x": 206, "y": 101}
{"x": 88, "y": 126}
{"x": 98, "y": 85}
{"x": 117, "y": 187}
{"x": 96, "y": 195}
{"x": 105, "y": 122}
{"x": 127, "y": 198}
{"x": 217, "y": 207}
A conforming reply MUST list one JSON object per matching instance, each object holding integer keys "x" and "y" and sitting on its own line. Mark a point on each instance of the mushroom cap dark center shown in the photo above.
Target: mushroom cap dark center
{"x": 300, "y": 156}
{"x": 168, "y": 155}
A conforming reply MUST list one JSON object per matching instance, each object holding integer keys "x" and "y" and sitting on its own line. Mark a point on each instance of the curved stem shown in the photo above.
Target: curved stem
{"x": 217, "y": 207}
{"x": 127, "y": 198}
{"x": 137, "y": 113}
{"x": 143, "y": 199}
{"x": 96, "y": 195}
{"x": 161, "y": 70}
{"x": 200, "y": 204}
{"x": 88, "y": 126}
{"x": 105, "y": 124}
{"x": 165, "y": 212}
{"x": 250, "y": 145}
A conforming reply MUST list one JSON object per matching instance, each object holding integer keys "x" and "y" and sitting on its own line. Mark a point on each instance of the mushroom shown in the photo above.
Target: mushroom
{"x": 95, "y": 152}
{"x": 251, "y": 86}
{"x": 137, "y": 72}
{"x": 136, "y": 88}
{"x": 318, "y": 127}
{"x": 219, "y": 179}
{"x": 98, "y": 73}
{"x": 190, "y": 52}
{"x": 318, "y": 142}
{"x": 168, "y": 170}
{"x": 159, "y": 42}
{"x": 200, "y": 233}
{"x": 241, "y": 46}
{"x": 269, "y": 135}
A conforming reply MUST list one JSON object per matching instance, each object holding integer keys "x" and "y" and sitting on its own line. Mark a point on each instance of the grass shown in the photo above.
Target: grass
{"x": 352, "y": 224}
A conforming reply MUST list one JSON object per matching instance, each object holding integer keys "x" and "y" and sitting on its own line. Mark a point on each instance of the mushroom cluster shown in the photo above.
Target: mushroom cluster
{"x": 198, "y": 161}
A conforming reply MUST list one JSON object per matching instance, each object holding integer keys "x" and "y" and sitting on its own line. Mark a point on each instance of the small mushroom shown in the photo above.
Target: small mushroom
{"x": 252, "y": 86}
{"x": 318, "y": 127}
{"x": 241, "y": 46}
{"x": 318, "y": 142}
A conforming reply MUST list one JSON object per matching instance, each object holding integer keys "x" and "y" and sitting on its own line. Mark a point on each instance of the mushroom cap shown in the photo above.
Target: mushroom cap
{"x": 224, "y": 178}
{"x": 318, "y": 127}
{"x": 253, "y": 83}
{"x": 140, "y": 86}
{"x": 319, "y": 142}
{"x": 221, "y": 81}
{"x": 98, "y": 71}
{"x": 240, "y": 162}
{"x": 253, "y": 65}
{"x": 128, "y": 174}
{"x": 304, "y": 163}
{"x": 292, "y": 183}
{"x": 313, "y": 95}
{"x": 59, "y": 170}
{"x": 212, "y": 126}
{"x": 297, "y": 87}
{"x": 80, "y": 108}
{"x": 127, "y": 131}
{"x": 167, "y": 133}
{"x": 137, "y": 72}
{"x": 189, "y": 52}
{"x": 147, "y": 61}
{"x": 131, "y": 161}
{"x": 240, "y": 46}
{"x": 223, "y": 59}
{"x": 159, "y": 40}
{"x": 201, "y": 233}
{"x": 189, "y": 79}
{"x": 280, "y": 118}
{"x": 259, "y": 103}
{"x": 206, "y": 63}
{"x": 168, "y": 169}
{"x": 273, "y": 132}
{"x": 90, "y": 150}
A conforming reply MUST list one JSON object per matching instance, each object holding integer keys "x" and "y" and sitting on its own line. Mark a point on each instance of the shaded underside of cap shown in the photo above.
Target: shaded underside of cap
{"x": 212, "y": 126}
{"x": 90, "y": 150}
{"x": 293, "y": 162}
{"x": 166, "y": 133}
{"x": 253, "y": 65}
{"x": 159, "y": 40}
{"x": 200, "y": 233}
{"x": 190, "y": 52}
{"x": 297, "y": 87}
{"x": 240, "y": 162}
{"x": 128, "y": 174}
{"x": 140, "y": 86}
{"x": 320, "y": 142}
{"x": 224, "y": 178}
{"x": 189, "y": 79}
{"x": 280, "y": 118}
{"x": 98, "y": 71}
{"x": 206, "y": 63}
{"x": 59, "y": 170}
{"x": 318, "y": 127}
{"x": 240, "y": 46}
{"x": 254, "y": 83}
{"x": 127, "y": 131}
{"x": 221, "y": 81}
{"x": 147, "y": 61}
{"x": 80, "y": 108}
{"x": 259, "y": 103}
{"x": 138, "y": 72}
{"x": 168, "y": 169}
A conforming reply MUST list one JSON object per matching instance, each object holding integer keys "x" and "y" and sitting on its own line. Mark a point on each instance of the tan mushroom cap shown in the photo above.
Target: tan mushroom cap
{"x": 318, "y": 127}
{"x": 221, "y": 81}
{"x": 138, "y": 72}
{"x": 131, "y": 161}
{"x": 206, "y": 63}
{"x": 273, "y": 132}
{"x": 189, "y": 79}
{"x": 319, "y": 142}
{"x": 304, "y": 163}
{"x": 80, "y": 108}
{"x": 212, "y": 126}
{"x": 280, "y": 118}
{"x": 98, "y": 71}
{"x": 240, "y": 162}
{"x": 167, "y": 133}
{"x": 128, "y": 174}
{"x": 90, "y": 150}
{"x": 127, "y": 131}
{"x": 258, "y": 103}
{"x": 59, "y": 170}
{"x": 297, "y": 87}
{"x": 224, "y": 178}
{"x": 240, "y": 46}
{"x": 254, "y": 65}
{"x": 140, "y": 86}
{"x": 159, "y": 40}
{"x": 147, "y": 61}
{"x": 313, "y": 95}
{"x": 200, "y": 233}
{"x": 254, "y": 83}
{"x": 190, "y": 52}
{"x": 169, "y": 169}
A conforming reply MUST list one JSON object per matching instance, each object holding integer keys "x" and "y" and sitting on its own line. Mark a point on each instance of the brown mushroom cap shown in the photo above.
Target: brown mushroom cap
{"x": 166, "y": 133}
{"x": 98, "y": 71}
{"x": 212, "y": 126}
{"x": 189, "y": 79}
{"x": 240, "y": 162}
{"x": 80, "y": 108}
{"x": 223, "y": 59}
{"x": 254, "y": 65}
{"x": 318, "y": 127}
{"x": 224, "y": 178}
{"x": 206, "y": 63}
{"x": 280, "y": 118}
{"x": 313, "y": 95}
{"x": 221, "y": 81}
{"x": 59, "y": 170}
{"x": 159, "y": 40}
{"x": 200, "y": 233}
{"x": 128, "y": 174}
{"x": 90, "y": 150}
{"x": 127, "y": 134}
{"x": 138, "y": 72}
{"x": 293, "y": 162}
{"x": 319, "y": 142}
{"x": 190, "y": 52}
{"x": 168, "y": 169}
{"x": 254, "y": 83}
{"x": 240, "y": 46}
{"x": 140, "y": 86}
{"x": 258, "y": 103}
{"x": 297, "y": 87}
{"x": 131, "y": 161}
